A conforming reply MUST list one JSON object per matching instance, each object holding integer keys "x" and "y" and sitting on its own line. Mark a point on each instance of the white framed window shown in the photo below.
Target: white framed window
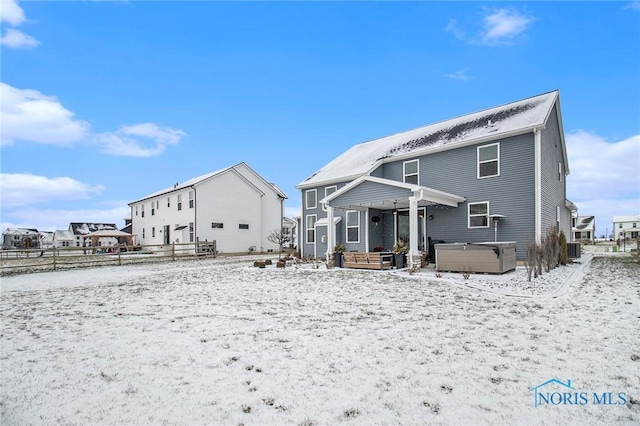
{"x": 191, "y": 200}
{"x": 142, "y": 232}
{"x": 153, "y": 231}
{"x": 217, "y": 225}
{"x": 330, "y": 190}
{"x": 136, "y": 210}
{"x": 311, "y": 198}
{"x": 142, "y": 210}
{"x": 560, "y": 171}
{"x": 489, "y": 160}
{"x": 410, "y": 172}
{"x": 558, "y": 215}
{"x": 168, "y": 201}
{"x": 353, "y": 226}
{"x": 179, "y": 201}
{"x": 310, "y": 223}
{"x": 479, "y": 215}
{"x": 243, "y": 226}
{"x": 153, "y": 208}
{"x": 191, "y": 232}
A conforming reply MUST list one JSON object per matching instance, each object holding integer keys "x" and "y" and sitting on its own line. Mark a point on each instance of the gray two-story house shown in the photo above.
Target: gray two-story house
{"x": 498, "y": 174}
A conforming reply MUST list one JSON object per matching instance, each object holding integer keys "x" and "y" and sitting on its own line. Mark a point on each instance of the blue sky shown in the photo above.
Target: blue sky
{"x": 106, "y": 102}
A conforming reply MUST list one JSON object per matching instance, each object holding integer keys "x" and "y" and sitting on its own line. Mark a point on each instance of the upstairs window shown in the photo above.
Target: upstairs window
{"x": 168, "y": 201}
{"x": 142, "y": 207}
{"x": 153, "y": 208}
{"x": 489, "y": 160}
{"x": 410, "y": 172}
{"x": 179, "y": 201}
{"x": 217, "y": 225}
{"x": 191, "y": 228}
{"x": 353, "y": 226}
{"x": 191, "y": 200}
{"x": 312, "y": 199}
{"x": 136, "y": 210}
{"x": 479, "y": 215}
{"x": 243, "y": 226}
{"x": 330, "y": 190}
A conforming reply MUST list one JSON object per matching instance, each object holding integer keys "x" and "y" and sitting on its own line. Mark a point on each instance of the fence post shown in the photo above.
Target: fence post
{"x": 173, "y": 250}
{"x": 54, "y": 258}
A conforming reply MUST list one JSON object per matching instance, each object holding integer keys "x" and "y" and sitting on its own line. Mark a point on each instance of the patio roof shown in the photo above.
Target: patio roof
{"x": 374, "y": 192}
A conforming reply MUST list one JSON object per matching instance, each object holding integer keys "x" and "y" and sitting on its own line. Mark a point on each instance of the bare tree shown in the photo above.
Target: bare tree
{"x": 278, "y": 237}
{"x": 530, "y": 258}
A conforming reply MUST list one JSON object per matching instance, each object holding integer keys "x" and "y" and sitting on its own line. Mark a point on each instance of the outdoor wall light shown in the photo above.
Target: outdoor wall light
{"x": 430, "y": 217}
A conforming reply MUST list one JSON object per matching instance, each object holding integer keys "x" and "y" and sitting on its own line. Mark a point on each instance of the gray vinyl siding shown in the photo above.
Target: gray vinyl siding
{"x": 318, "y": 248}
{"x": 511, "y": 194}
{"x": 553, "y": 188}
{"x": 371, "y": 192}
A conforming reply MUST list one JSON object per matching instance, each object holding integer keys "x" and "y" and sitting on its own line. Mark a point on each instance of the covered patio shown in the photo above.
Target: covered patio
{"x": 380, "y": 198}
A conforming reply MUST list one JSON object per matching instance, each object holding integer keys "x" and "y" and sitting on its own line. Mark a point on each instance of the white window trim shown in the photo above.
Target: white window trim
{"x": 478, "y": 162}
{"x": 347, "y": 226}
{"x": 477, "y": 215}
{"x": 417, "y": 173}
{"x": 335, "y": 188}
{"x": 306, "y": 228}
{"x": 306, "y": 199}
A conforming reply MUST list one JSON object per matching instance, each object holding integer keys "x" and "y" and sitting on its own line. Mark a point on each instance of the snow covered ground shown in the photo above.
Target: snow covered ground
{"x": 218, "y": 341}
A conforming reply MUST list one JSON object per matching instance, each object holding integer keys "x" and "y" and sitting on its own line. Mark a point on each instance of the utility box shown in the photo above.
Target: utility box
{"x": 574, "y": 250}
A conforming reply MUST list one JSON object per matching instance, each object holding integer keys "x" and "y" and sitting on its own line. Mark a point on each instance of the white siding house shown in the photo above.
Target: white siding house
{"x": 234, "y": 206}
{"x": 625, "y": 227}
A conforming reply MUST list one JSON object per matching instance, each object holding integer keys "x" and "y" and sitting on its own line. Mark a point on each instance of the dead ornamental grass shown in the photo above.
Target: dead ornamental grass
{"x": 228, "y": 343}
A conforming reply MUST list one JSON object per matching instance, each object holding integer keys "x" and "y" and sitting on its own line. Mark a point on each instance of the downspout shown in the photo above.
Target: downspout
{"x": 537, "y": 155}
{"x": 195, "y": 218}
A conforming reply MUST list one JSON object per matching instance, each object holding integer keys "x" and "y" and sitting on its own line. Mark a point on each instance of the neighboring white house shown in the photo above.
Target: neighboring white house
{"x": 289, "y": 230}
{"x": 64, "y": 238}
{"x": 584, "y": 228}
{"x": 626, "y": 227}
{"x": 234, "y": 206}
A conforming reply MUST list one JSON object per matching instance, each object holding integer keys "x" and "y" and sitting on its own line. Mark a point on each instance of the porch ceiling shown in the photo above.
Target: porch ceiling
{"x": 388, "y": 195}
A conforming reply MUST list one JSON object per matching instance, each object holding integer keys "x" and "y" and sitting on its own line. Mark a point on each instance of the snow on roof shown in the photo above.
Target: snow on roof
{"x": 21, "y": 231}
{"x": 585, "y": 222}
{"x": 64, "y": 235}
{"x": 87, "y": 228}
{"x": 523, "y": 115}
{"x": 209, "y": 175}
{"x": 626, "y": 218}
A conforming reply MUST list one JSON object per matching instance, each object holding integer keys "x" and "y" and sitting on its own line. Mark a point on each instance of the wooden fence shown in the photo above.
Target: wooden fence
{"x": 16, "y": 261}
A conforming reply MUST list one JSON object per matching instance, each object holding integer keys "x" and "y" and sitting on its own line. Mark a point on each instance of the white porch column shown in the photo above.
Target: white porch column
{"x": 331, "y": 233}
{"x": 413, "y": 231}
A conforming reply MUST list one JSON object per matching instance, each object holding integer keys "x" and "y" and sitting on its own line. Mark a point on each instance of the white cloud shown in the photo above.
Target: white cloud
{"x": 10, "y": 12}
{"x": 500, "y": 26}
{"x": 634, "y": 5}
{"x": 21, "y": 189}
{"x": 126, "y": 141}
{"x": 459, "y": 75}
{"x": 504, "y": 25}
{"x": 30, "y": 116}
{"x": 604, "y": 180}
{"x": 16, "y": 39}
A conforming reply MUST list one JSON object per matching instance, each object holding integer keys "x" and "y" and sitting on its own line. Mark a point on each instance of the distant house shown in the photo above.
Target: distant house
{"x": 289, "y": 230}
{"x": 20, "y": 238}
{"x": 81, "y": 231}
{"x": 584, "y": 228}
{"x": 626, "y": 227}
{"x": 234, "y": 206}
{"x": 64, "y": 238}
{"x": 452, "y": 181}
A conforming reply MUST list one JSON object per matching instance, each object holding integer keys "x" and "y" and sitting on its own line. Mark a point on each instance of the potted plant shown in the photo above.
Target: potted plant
{"x": 400, "y": 249}
{"x": 337, "y": 255}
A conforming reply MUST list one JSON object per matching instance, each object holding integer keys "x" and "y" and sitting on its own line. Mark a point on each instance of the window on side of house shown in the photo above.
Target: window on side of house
{"x": 479, "y": 215}
{"x": 153, "y": 231}
{"x": 190, "y": 232}
{"x": 311, "y": 228}
{"x": 311, "y": 198}
{"x": 136, "y": 210}
{"x": 560, "y": 171}
{"x": 168, "y": 201}
{"x": 217, "y": 225}
{"x": 330, "y": 190}
{"x": 142, "y": 210}
{"x": 153, "y": 208}
{"x": 142, "y": 232}
{"x": 191, "y": 199}
{"x": 410, "y": 172}
{"x": 243, "y": 226}
{"x": 179, "y": 201}
{"x": 353, "y": 226}
{"x": 489, "y": 160}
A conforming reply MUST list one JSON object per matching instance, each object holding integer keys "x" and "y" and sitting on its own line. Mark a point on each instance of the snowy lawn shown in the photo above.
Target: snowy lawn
{"x": 219, "y": 342}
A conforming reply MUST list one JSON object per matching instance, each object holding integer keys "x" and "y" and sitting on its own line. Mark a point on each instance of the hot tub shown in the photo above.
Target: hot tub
{"x": 492, "y": 258}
